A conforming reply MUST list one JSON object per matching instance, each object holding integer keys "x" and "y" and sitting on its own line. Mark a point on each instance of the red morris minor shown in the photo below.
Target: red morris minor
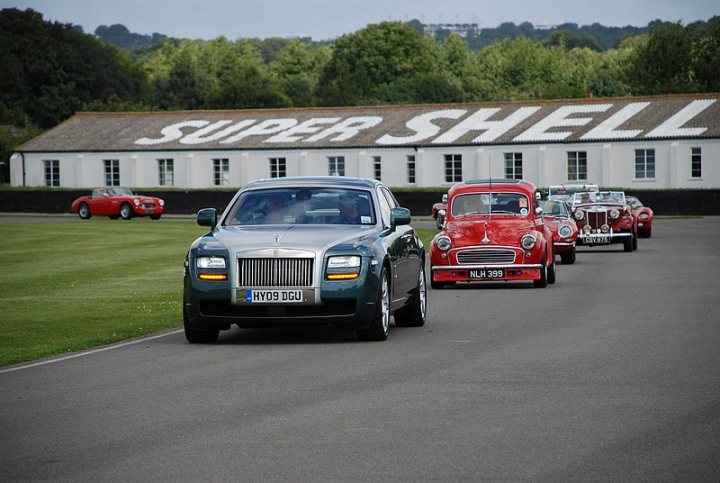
{"x": 493, "y": 231}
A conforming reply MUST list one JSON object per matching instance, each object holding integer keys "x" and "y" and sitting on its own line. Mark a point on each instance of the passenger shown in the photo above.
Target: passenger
{"x": 274, "y": 210}
{"x": 474, "y": 204}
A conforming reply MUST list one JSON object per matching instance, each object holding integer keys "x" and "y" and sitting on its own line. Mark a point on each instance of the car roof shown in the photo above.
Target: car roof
{"x": 292, "y": 181}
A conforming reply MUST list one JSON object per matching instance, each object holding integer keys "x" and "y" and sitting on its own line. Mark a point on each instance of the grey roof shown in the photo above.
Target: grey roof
{"x": 568, "y": 120}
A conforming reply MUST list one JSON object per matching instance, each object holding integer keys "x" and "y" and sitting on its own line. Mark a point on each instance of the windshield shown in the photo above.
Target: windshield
{"x": 555, "y": 209}
{"x": 617, "y": 197}
{"x": 302, "y": 205}
{"x": 490, "y": 203}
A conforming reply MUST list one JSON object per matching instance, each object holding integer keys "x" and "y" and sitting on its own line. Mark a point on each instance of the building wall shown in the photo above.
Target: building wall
{"x": 608, "y": 164}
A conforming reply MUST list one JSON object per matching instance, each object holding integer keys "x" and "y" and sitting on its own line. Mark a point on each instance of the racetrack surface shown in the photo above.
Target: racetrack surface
{"x": 611, "y": 374}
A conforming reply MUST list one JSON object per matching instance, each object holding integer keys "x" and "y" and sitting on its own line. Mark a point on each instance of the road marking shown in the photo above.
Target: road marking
{"x": 90, "y": 352}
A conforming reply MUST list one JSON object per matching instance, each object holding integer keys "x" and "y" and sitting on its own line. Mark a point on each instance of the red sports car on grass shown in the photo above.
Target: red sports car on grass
{"x": 643, "y": 214}
{"x": 603, "y": 217}
{"x": 117, "y": 203}
{"x": 493, "y": 231}
{"x": 563, "y": 227}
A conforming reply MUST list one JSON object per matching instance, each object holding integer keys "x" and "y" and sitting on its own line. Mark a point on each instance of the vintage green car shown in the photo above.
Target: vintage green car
{"x": 306, "y": 251}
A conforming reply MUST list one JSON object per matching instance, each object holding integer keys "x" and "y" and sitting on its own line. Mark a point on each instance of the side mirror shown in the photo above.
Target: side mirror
{"x": 538, "y": 211}
{"x": 207, "y": 217}
{"x": 444, "y": 198}
{"x": 399, "y": 216}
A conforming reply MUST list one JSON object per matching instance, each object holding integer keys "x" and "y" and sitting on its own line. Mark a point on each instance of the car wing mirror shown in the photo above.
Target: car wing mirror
{"x": 444, "y": 198}
{"x": 207, "y": 217}
{"x": 399, "y": 216}
{"x": 539, "y": 211}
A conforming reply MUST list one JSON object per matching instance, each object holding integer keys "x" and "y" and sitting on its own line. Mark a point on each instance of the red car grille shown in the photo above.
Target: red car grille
{"x": 485, "y": 255}
{"x": 275, "y": 272}
{"x": 596, "y": 219}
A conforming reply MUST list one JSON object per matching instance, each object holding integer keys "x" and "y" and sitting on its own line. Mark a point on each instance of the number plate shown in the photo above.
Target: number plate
{"x": 487, "y": 273}
{"x": 273, "y": 296}
{"x": 597, "y": 239}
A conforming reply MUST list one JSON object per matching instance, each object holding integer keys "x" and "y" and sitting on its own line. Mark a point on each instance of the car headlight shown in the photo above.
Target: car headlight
{"x": 614, "y": 214}
{"x": 528, "y": 241}
{"x": 587, "y": 229}
{"x": 162, "y": 202}
{"x": 136, "y": 202}
{"x": 443, "y": 243}
{"x": 644, "y": 216}
{"x": 565, "y": 231}
{"x": 210, "y": 262}
{"x": 343, "y": 267}
{"x": 605, "y": 228}
{"x": 579, "y": 215}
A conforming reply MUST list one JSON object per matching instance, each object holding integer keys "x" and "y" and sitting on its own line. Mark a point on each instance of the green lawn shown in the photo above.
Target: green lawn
{"x": 70, "y": 286}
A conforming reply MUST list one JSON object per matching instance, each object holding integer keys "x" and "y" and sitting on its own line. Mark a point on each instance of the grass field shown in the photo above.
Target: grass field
{"x": 70, "y": 286}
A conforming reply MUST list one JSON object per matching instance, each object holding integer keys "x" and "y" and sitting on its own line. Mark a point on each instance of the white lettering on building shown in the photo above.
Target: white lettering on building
{"x": 673, "y": 126}
{"x": 269, "y": 126}
{"x": 606, "y": 129}
{"x": 310, "y": 126}
{"x": 347, "y": 129}
{"x": 201, "y": 135}
{"x": 559, "y": 118}
{"x": 172, "y": 132}
{"x": 479, "y": 122}
{"x": 423, "y": 127}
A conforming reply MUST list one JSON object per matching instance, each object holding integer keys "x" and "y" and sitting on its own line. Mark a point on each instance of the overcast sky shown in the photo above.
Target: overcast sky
{"x": 326, "y": 19}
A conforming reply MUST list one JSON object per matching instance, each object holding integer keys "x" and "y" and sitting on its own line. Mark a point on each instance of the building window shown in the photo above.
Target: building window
{"x": 644, "y": 164}
{"x": 112, "y": 172}
{"x": 377, "y": 168}
{"x": 52, "y": 172}
{"x": 411, "y": 168}
{"x": 221, "y": 172}
{"x": 166, "y": 173}
{"x": 696, "y": 163}
{"x": 513, "y": 166}
{"x": 577, "y": 166}
{"x": 453, "y": 168}
{"x": 336, "y": 165}
{"x": 278, "y": 168}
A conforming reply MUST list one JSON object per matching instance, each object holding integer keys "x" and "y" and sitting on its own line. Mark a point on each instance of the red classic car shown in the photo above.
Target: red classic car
{"x": 603, "y": 217}
{"x": 642, "y": 214}
{"x": 493, "y": 231}
{"x": 117, "y": 203}
{"x": 439, "y": 210}
{"x": 563, "y": 227}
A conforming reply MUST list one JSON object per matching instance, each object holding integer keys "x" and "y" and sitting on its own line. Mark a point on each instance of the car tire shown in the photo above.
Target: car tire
{"x": 568, "y": 258}
{"x": 126, "y": 211}
{"x": 415, "y": 312}
{"x": 634, "y": 241}
{"x": 543, "y": 280}
{"x": 155, "y": 217}
{"x": 84, "y": 211}
{"x": 198, "y": 336}
{"x": 551, "y": 272}
{"x": 628, "y": 243}
{"x": 380, "y": 323}
{"x": 647, "y": 234}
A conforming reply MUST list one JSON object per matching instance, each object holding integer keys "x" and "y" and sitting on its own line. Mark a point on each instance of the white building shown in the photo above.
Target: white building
{"x": 642, "y": 143}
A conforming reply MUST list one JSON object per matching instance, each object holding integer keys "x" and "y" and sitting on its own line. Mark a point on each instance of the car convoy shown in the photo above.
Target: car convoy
{"x": 299, "y": 251}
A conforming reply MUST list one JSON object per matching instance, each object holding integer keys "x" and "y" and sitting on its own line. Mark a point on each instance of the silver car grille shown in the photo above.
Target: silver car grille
{"x": 486, "y": 255}
{"x": 275, "y": 272}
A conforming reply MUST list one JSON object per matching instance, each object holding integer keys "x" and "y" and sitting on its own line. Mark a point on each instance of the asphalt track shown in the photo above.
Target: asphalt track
{"x": 611, "y": 374}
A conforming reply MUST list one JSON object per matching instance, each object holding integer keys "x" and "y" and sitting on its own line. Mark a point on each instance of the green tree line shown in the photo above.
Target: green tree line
{"x": 52, "y": 70}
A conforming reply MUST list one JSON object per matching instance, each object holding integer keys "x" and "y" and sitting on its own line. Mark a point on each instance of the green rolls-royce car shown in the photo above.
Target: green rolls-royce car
{"x": 306, "y": 251}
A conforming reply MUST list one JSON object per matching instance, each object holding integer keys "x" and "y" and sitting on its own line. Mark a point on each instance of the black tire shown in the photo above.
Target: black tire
{"x": 543, "y": 280}
{"x": 646, "y": 234}
{"x": 84, "y": 211}
{"x": 628, "y": 243}
{"x": 155, "y": 217}
{"x": 198, "y": 336}
{"x": 568, "y": 258}
{"x": 380, "y": 323}
{"x": 126, "y": 211}
{"x": 415, "y": 312}
{"x": 551, "y": 273}
{"x": 634, "y": 241}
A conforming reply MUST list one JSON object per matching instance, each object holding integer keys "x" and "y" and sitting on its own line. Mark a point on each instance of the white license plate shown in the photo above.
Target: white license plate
{"x": 273, "y": 296}
{"x": 598, "y": 239}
